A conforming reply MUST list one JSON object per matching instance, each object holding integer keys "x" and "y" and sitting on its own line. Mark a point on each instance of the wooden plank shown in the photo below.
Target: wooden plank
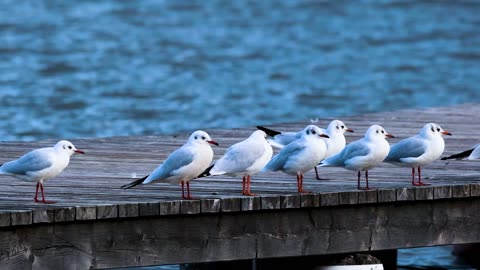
{"x": 475, "y": 190}
{"x": 329, "y": 199}
{"x": 43, "y": 216}
{"x": 231, "y": 204}
{"x": 368, "y": 196}
{"x": 86, "y": 213}
{"x": 107, "y": 211}
{"x": 64, "y": 214}
{"x": 442, "y": 192}
{"x": 170, "y": 207}
{"x": 128, "y": 210}
{"x": 348, "y": 197}
{"x": 290, "y": 201}
{"x": 251, "y": 203}
{"x": 21, "y": 217}
{"x": 424, "y": 193}
{"x": 148, "y": 209}
{"x": 460, "y": 191}
{"x": 210, "y": 205}
{"x": 405, "y": 194}
{"x": 386, "y": 195}
{"x": 309, "y": 200}
{"x": 189, "y": 207}
{"x": 5, "y": 219}
{"x": 270, "y": 202}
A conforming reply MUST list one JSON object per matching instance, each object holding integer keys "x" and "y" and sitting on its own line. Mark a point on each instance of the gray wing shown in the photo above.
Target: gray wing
{"x": 289, "y": 151}
{"x": 409, "y": 148}
{"x": 36, "y": 160}
{"x": 179, "y": 158}
{"x": 285, "y": 138}
{"x": 354, "y": 149}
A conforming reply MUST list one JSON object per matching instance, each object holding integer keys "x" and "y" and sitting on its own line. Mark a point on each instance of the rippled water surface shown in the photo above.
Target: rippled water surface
{"x": 103, "y": 68}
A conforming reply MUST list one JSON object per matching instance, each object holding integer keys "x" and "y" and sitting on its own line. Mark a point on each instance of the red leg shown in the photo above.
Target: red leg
{"x": 244, "y": 185}
{"x": 43, "y": 195}
{"x": 183, "y": 192}
{"x": 366, "y": 181}
{"x": 247, "y": 192}
{"x": 300, "y": 186}
{"x": 188, "y": 190}
{"x": 36, "y": 193}
{"x": 413, "y": 176}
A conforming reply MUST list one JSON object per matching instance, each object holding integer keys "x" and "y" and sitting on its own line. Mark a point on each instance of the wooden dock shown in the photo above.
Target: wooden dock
{"x": 95, "y": 224}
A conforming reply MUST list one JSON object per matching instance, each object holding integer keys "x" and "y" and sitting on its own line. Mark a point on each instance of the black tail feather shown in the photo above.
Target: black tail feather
{"x": 206, "y": 172}
{"x": 134, "y": 183}
{"x": 461, "y": 155}
{"x": 270, "y": 132}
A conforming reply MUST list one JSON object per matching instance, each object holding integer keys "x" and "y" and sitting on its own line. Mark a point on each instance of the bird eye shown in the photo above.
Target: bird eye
{"x": 383, "y": 131}
{"x": 343, "y": 127}
{"x": 438, "y": 129}
{"x": 195, "y": 137}
{"x": 70, "y": 147}
{"x": 203, "y": 137}
{"x": 377, "y": 130}
{"x": 313, "y": 132}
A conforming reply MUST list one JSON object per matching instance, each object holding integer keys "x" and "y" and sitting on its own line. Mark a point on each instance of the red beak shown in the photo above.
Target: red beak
{"x": 446, "y": 133}
{"x": 213, "y": 142}
{"x": 389, "y": 136}
{"x": 349, "y": 130}
{"x": 79, "y": 151}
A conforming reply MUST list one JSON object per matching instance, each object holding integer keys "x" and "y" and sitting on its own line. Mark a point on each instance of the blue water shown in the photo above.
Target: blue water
{"x": 71, "y": 69}
{"x": 102, "y": 68}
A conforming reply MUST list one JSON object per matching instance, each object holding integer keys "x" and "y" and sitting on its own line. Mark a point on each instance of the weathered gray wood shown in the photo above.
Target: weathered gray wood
{"x": 21, "y": 217}
{"x": 148, "y": 209}
{"x": 424, "y": 193}
{"x": 107, "y": 211}
{"x": 386, "y": 195}
{"x": 231, "y": 204}
{"x": 368, "y": 196}
{"x": 270, "y": 202}
{"x": 309, "y": 200}
{"x": 251, "y": 203}
{"x": 43, "y": 216}
{"x": 189, "y": 207}
{"x": 128, "y": 210}
{"x": 86, "y": 213}
{"x": 329, "y": 199}
{"x": 64, "y": 214}
{"x": 210, "y": 205}
{"x": 405, "y": 194}
{"x": 5, "y": 219}
{"x": 475, "y": 190}
{"x": 170, "y": 207}
{"x": 348, "y": 197}
{"x": 443, "y": 192}
{"x": 460, "y": 191}
{"x": 290, "y": 201}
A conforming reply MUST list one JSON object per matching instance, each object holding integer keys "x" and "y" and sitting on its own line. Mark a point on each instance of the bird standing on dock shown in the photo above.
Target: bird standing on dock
{"x": 335, "y": 130}
{"x": 301, "y": 155}
{"x": 363, "y": 154}
{"x": 40, "y": 165}
{"x": 419, "y": 150}
{"x": 183, "y": 164}
{"x": 470, "y": 154}
{"x": 244, "y": 158}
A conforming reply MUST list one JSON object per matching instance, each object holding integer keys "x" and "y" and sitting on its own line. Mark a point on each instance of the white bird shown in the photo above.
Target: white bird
{"x": 419, "y": 150}
{"x": 244, "y": 158}
{"x": 184, "y": 164}
{"x": 41, "y": 164}
{"x": 470, "y": 154}
{"x": 300, "y": 155}
{"x": 363, "y": 154}
{"x": 335, "y": 130}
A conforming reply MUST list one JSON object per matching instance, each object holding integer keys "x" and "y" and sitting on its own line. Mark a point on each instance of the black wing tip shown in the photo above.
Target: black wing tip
{"x": 461, "y": 155}
{"x": 270, "y": 132}
{"x": 134, "y": 183}
{"x": 206, "y": 172}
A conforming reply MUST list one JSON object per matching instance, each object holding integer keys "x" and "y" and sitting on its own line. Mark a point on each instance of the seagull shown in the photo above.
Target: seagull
{"x": 418, "y": 150}
{"x": 335, "y": 130}
{"x": 470, "y": 154}
{"x": 244, "y": 158}
{"x": 300, "y": 155}
{"x": 184, "y": 164}
{"x": 363, "y": 154}
{"x": 40, "y": 165}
